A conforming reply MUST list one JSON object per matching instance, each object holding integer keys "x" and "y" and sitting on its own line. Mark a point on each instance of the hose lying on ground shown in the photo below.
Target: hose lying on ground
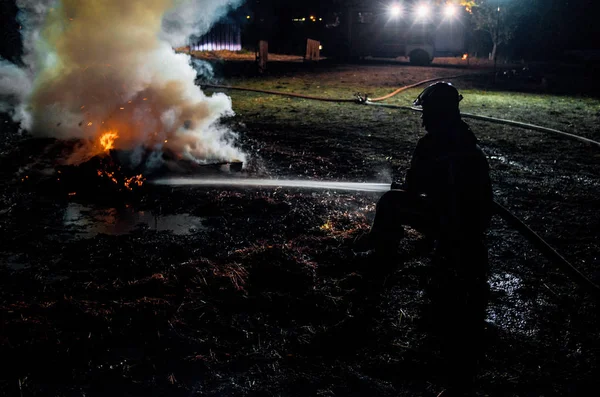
{"x": 290, "y": 94}
{"x": 373, "y": 102}
{"x": 547, "y": 250}
{"x": 341, "y": 100}
{"x": 407, "y": 87}
{"x": 519, "y": 124}
{"x": 528, "y": 126}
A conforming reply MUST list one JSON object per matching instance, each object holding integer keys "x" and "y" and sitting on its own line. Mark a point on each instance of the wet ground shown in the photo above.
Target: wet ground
{"x": 255, "y": 291}
{"x": 87, "y": 222}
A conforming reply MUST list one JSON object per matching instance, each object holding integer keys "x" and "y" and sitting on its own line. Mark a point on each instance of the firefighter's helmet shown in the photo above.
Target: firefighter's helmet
{"x": 439, "y": 96}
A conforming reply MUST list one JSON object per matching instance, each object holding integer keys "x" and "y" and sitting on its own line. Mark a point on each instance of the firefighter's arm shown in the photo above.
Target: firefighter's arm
{"x": 397, "y": 185}
{"x": 417, "y": 173}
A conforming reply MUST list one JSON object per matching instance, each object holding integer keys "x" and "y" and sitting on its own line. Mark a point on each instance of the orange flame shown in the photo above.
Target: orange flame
{"x": 108, "y": 140}
{"x": 465, "y": 56}
{"x": 109, "y": 175}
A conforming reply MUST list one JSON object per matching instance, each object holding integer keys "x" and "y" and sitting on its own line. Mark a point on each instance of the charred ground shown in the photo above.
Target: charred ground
{"x": 267, "y": 298}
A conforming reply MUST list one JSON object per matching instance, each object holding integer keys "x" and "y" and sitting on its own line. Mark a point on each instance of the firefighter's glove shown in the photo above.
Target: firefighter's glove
{"x": 396, "y": 185}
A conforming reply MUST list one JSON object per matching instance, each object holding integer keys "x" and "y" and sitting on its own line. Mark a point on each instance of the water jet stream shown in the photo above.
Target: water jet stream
{"x": 290, "y": 183}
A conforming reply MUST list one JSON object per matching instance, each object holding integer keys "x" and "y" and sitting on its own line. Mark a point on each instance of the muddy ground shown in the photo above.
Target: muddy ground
{"x": 218, "y": 292}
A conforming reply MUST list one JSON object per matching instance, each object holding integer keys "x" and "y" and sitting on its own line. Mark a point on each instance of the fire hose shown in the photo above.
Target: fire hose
{"x": 495, "y": 120}
{"x": 408, "y": 87}
{"x": 341, "y": 100}
{"x": 547, "y": 250}
{"x": 281, "y": 93}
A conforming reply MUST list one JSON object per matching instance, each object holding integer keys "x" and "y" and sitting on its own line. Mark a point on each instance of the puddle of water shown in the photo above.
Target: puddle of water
{"x": 14, "y": 262}
{"x": 88, "y": 222}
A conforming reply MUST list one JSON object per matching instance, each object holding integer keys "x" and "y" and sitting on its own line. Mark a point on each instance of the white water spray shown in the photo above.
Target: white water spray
{"x": 274, "y": 183}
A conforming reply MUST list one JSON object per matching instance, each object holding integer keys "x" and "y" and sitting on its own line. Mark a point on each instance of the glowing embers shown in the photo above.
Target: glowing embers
{"x": 107, "y": 140}
{"x": 111, "y": 171}
{"x": 114, "y": 176}
{"x": 136, "y": 180}
{"x": 108, "y": 174}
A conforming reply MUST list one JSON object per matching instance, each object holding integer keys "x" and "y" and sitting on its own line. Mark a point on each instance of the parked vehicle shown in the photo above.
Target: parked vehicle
{"x": 420, "y": 32}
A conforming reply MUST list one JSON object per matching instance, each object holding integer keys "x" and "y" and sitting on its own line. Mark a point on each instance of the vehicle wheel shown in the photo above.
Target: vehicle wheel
{"x": 420, "y": 58}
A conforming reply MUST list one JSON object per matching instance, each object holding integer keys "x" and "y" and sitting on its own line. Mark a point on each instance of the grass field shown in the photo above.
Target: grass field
{"x": 243, "y": 304}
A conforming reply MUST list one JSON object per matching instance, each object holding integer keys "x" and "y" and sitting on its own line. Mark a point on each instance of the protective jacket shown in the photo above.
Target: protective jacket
{"x": 453, "y": 172}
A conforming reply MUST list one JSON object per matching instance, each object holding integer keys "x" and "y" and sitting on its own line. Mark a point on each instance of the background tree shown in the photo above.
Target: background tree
{"x": 498, "y": 19}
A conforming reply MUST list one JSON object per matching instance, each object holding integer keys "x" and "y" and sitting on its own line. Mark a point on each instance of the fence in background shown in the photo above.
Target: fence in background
{"x": 220, "y": 37}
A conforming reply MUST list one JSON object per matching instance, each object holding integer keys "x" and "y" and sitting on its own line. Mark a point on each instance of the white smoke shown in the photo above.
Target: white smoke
{"x": 15, "y": 86}
{"x": 32, "y": 14}
{"x": 189, "y": 18}
{"x": 98, "y": 66}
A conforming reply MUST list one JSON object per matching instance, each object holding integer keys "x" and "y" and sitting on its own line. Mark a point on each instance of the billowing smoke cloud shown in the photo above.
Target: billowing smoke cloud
{"x": 31, "y": 16}
{"x": 15, "y": 86}
{"x": 94, "y": 67}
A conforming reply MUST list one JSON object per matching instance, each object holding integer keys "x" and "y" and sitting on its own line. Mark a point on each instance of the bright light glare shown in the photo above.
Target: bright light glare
{"x": 395, "y": 10}
{"x": 422, "y": 11}
{"x": 450, "y": 10}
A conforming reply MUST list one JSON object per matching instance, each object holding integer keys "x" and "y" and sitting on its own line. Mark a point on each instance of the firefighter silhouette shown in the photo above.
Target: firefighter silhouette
{"x": 447, "y": 196}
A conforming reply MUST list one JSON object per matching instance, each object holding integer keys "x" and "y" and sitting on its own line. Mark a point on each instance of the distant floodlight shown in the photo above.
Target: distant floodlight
{"x": 422, "y": 11}
{"x": 450, "y": 10}
{"x": 395, "y": 11}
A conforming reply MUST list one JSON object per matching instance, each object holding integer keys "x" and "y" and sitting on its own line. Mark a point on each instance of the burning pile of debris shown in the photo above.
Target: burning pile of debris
{"x": 107, "y": 171}
{"x": 102, "y": 173}
{"x": 126, "y": 103}
{"x": 114, "y": 172}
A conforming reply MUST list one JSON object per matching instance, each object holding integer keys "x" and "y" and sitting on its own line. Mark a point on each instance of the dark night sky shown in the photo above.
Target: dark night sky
{"x": 550, "y": 27}
{"x": 555, "y": 25}
{"x": 9, "y": 30}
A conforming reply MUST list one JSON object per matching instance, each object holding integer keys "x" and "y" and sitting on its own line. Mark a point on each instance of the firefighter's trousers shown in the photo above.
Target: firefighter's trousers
{"x": 456, "y": 288}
